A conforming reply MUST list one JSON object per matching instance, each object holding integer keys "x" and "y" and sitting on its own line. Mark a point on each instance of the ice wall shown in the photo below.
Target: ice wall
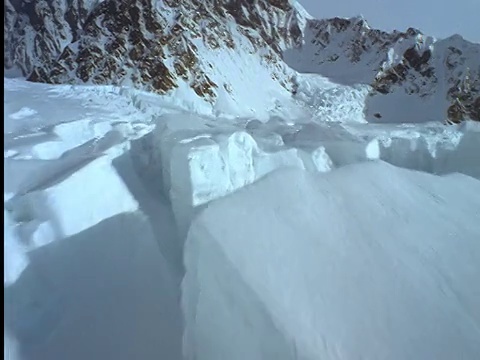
{"x": 195, "y": 162}
{"x": 343, "y": 265}
{"x": 200, "y": 165}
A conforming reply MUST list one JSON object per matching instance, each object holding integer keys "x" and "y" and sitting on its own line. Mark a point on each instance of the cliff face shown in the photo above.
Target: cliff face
{"x": 36, "y": 32}
{"x": 216, "y": 47}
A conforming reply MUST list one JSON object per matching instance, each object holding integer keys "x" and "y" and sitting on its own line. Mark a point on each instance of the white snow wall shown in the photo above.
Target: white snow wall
{"x": 342, "y": 266}
{"x": 193, "y": 164}
{"x": 215, "y": 294}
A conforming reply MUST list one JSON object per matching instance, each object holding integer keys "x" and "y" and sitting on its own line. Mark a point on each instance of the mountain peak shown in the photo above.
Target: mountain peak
{"x": 408, "y": 66}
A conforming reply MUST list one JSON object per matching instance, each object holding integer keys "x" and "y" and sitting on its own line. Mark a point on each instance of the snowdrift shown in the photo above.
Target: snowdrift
{"x": 16, "y": 261}
{"x": 369, "y": 261}
{"x": 104, "y": 293}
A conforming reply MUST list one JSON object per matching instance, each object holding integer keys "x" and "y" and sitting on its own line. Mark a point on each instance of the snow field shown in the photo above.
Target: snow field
{"x": 362, "y": 261}
{"x": 330, "y": 101}
{"x": 198, "y": 163}
{"x": 431, "y": 148}
{"x": 415, "y": 154}
{"x": 101, "y": 168}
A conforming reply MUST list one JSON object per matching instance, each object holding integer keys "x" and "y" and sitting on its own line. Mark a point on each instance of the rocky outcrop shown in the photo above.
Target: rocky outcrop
{"x": 152, "y": 45}
{"x": 462, "y": 74}
{"x": 36, "y": 32}
{"x": 409, "y": 63}
{"x": 449, "y": 69}
{"x": 215, "y": 46}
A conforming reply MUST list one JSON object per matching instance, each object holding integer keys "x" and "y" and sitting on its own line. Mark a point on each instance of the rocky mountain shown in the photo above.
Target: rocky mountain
{"x": 404, "y": 68}
{"x": 220, "y": 49}
{"x": 204, "y": 48}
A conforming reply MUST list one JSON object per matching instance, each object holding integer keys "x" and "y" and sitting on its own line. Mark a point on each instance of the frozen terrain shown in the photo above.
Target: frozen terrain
{"x": 365, "y": 262}
{"x": 237, "y": 180}
{"x": 86, "y": 243}
{"x": 290, "y": 215}
{"x": 238, "y": 58}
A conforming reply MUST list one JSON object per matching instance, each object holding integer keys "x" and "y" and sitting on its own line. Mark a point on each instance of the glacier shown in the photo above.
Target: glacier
{"x": 309, "y": 272}
{"x": 305, "y": 239}
{"x": 236, "y": 180}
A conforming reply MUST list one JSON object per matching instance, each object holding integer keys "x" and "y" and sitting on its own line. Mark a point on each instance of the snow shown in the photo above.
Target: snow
{"x": 343, "y": 265}
{"x": 200, "y": 165}
{"x": 70, "y": 211}
{"x": 16, "y": 261}
{"x": 340, "y": 145}
{"x": 292, "y": 216}
{"x": 414, "y": 154}
{"x": 337, "y": 55}
{"x": 430, "y": 148}
{"x": 10, "y": 347}
{"x": 93, "y": 262}
{"x": 102, "y": 184}
{"x": 232, "y": 69}
{"x": 215, "y": 169}
{"x": 103, "y": 293}
{"x": 330, "y": 101}
{"x": 441, "y": 21}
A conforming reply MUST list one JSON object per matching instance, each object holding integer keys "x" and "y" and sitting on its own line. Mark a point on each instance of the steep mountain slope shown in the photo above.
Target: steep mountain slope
{"x": 208, "y": 48}
{"x": 217, "y": 49}
{"x": 438, "y": 78}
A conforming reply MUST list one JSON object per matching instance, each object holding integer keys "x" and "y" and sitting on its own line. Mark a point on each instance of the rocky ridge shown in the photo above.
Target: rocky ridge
{"x": 399, "y": 62}
{"x": 153, "y": 45}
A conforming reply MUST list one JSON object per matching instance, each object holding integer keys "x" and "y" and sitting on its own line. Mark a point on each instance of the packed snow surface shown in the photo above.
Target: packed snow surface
{"x": 366, "y": 262}
{"x": 101, "y": 185}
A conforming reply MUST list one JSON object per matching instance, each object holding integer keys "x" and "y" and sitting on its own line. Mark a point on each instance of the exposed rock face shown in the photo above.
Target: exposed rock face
{"x": 449, "y": 69}
{"x": 153, "y": 45}
{"x": 348, "y": 50}
{"x": 463, "y": 77}
{"x": 216, "y": 46}
{"x": 36, "y": 32}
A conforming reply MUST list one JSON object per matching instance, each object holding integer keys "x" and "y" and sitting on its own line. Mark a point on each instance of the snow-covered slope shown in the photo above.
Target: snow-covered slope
{"x": 235, "y": 56}
{"x": 367, "y": 262}
{"x": 172, "y": 112}
{"x": 428, "y": 79}
{"x": 212, "y": 49}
